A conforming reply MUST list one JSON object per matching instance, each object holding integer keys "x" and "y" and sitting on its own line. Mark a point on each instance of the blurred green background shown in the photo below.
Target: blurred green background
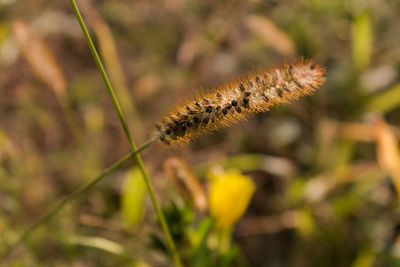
{"x": 326, "y": 168}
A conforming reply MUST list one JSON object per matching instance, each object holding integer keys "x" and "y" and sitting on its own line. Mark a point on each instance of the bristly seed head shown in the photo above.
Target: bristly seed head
{"x": 279, "y": 92}
{"x": 238, "y": 99}
{"x": 241, "y": 86}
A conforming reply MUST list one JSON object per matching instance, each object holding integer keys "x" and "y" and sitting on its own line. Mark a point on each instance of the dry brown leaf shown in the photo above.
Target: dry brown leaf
{"x": 357, "y": 131}
{"x": 186, "y": 182}
{"x": 271, "y": 34}
{"x": 39, "y": 56}
{"x": 387, "y": 150}
{"x": 360, "y": 132}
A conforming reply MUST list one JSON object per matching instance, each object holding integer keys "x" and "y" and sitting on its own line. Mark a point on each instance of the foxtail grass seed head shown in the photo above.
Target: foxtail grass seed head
{"x": 225, "y": 105}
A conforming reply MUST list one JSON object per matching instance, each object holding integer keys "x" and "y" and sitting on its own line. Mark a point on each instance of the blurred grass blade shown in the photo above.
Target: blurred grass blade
{"x": 271, "y": 35}
{"x": 385, "y": 101}
{"x": 387, "y": 151}
{"x": 359, "y": 132}
{"x": 200, "y": 255}
{"x": 325, "y": 137}
{"x": 361, "y": 40}
{"x": 39, "y": 56}
{"x": 343, "y": 153}
{"x": 99, "y": 243}
{"x": 133, "y": 197}
{"x": 104, "y": 75}
{"x": 60, "y": 205}
{"x": 46, "y": 67}
{"x": 108, "y": 50}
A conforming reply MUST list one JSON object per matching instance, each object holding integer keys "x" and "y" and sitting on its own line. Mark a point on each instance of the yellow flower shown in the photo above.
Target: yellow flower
{"x": 229, "y": 195}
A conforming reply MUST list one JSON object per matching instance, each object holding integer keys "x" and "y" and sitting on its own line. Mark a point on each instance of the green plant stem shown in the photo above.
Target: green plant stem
{"x": 52, "y": 212}
{"x": 225, "y": 240}
{"x": 114, "y": 99}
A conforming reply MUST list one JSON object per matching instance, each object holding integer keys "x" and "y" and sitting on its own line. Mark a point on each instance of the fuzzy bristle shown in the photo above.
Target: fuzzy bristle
{"x": 255, "y": 92}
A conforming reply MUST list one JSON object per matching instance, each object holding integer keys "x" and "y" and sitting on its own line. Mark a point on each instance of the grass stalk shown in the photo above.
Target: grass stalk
{"x": 85, "y": 187}
{"x": 114, "y": 99}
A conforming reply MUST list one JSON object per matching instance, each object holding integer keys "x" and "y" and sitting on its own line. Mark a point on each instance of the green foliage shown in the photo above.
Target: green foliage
{"x": 133, "y": 197}
{"x": 362, "y": 40}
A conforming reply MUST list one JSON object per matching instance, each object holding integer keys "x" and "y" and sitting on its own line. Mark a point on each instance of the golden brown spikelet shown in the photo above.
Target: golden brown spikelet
{"x": 255, "y": 92}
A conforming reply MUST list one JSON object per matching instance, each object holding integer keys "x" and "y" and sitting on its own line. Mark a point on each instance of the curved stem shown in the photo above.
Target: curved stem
{"x": 52, "y": 212}
{"x": 114, "y": 99}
